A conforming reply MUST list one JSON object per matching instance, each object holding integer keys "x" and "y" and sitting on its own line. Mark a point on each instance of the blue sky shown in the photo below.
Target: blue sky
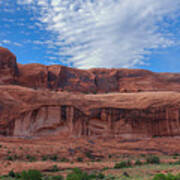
{"x": 92, "y": 33}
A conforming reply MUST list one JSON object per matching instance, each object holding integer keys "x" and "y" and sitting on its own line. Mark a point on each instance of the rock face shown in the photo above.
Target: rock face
{"x": 62, "y": 78}
{"x": 27, "y": 112}
{"x": 8, "y": 67}
{"x": 38, "y": 100}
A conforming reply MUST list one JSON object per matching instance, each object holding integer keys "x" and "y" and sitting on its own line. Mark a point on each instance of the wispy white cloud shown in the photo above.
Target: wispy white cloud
{"x": 8, "y": 42}
{"x": 49, "y": 43}
{"x": 5, "y": 41}
{"x": 17, "y": 44}
{"x": 25, "y": 1}
{"x": 107, "y": 33}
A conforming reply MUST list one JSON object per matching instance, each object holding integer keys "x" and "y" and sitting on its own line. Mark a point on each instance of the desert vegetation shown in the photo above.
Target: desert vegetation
{"x": 126, "y": 167}
{"x": 87, "y": 160}
{"x": 78, "y": 174}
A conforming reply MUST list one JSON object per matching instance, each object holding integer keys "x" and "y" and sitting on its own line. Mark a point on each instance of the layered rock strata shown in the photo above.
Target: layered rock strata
{"x": 26, "y": 112}
{"x": 61, "y": 78}
{"x": 39, "y": 100}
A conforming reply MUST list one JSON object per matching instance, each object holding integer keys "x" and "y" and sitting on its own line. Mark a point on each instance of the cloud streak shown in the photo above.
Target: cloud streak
{"x": 107, "y": 33}
{"x": 6, "y": 42}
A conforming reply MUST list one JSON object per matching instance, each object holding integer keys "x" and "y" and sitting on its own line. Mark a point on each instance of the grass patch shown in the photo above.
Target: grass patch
{"x": 166, "y": 177}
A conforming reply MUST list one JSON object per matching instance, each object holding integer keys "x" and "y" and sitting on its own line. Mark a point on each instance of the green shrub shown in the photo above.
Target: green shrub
{"x": 176, "y": 154}
{"x": 153, "y": 160}
{"x": 64, "y": 159}
{"x": 138, "y": 163}
{"x": 166, "y": 177}
{"x": 31, "y": 175}
{"x": 53, "y": 157}
{"x": 80, "y": 159}
{"x": 17, "y": 175}
{"x": 54, "y": 168}
{"x": 89, "y": 155}
{"x": 105, "y": 168}
{"x": 175, "y": 163}
{"x": 9, "y": 158}
{"x": 92, "y": 176}
{"x": 30, "y": 158}
{"x": 159, "y": 177}
{"x": 12, "y": 174}
{"x": 77, "y": 174}
{"x": 44, "y": 158}
{"x": 100, "y": 176}
{"x": 12, "y": 157}
{"x": 174, "y": 157}
{"x": 126, "y": 174}
{"x": 123, "y": 164}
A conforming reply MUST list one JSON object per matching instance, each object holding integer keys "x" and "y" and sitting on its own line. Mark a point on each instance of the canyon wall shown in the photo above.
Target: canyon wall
{"x": 104, "y": 122}
{"x": 61, "y": 78}
{"x": 38, "y": 100}
{"x": 25, "y": 112}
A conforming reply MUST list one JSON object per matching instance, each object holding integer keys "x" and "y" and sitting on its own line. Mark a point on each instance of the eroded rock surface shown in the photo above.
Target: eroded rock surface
{"x": 39, "y": 100}
{"x": 8, "y": 67}
{"x": 28, "y": 112}
{"x": 62, "y": 78}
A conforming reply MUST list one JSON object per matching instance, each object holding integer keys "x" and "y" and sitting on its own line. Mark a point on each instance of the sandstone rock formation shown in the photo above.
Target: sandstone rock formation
{"x": 57, "y": 77}
{"x": 27, "y": 112}
{"x": 8, "y": 67}
{"x": 62, "y": 78}
{"x": 30, "y": 107}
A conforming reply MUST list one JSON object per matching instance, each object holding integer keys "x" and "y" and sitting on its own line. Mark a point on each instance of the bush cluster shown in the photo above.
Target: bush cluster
{"x": 152, "y": 160}
{"x": 30, "y": 158}
{"x": 54, "y": 168}
{"x": 54, "y": 157}
{"x": 123, "y": 164}
{"x": 76, "y": 174}
{"x": 31, "y": 175}
{"x": 166, "y": 177}
{"x": 80, "y": 159}
{"x": 176, "y": 162}
{"x": 138, "y": 163}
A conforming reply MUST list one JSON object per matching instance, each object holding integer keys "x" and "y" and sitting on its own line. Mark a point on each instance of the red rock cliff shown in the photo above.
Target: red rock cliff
{"x": 58, "y": 77}
{"x": 8, "y": 67}
{"x": 29, "y": 107}
{"x": 28, "y": 112}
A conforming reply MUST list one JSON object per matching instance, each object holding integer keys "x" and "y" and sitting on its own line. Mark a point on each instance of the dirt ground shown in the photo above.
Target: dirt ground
{"x": 88, "y": 154}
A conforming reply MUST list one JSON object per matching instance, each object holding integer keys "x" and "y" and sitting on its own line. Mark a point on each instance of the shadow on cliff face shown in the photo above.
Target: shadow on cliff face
{"x": 100, "y": 122}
